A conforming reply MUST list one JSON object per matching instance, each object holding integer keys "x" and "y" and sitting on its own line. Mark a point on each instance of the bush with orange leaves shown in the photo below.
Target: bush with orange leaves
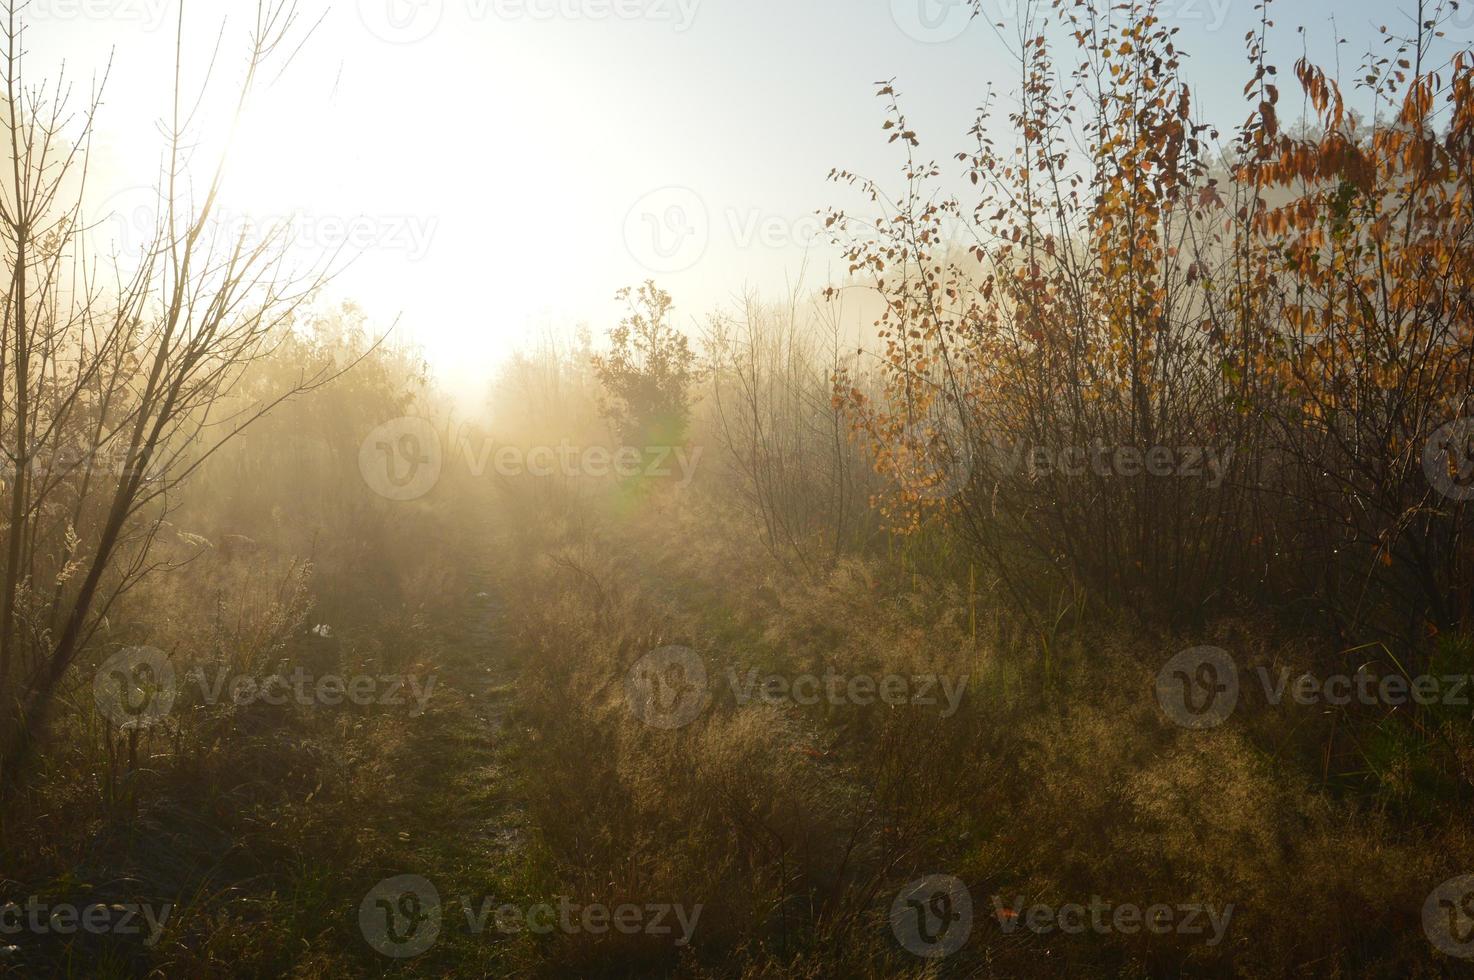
{"x": 1295, "y": 299}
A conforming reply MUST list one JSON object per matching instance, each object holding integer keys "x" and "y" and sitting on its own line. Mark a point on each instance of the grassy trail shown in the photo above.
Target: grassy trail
{"x": 463, "y": 824}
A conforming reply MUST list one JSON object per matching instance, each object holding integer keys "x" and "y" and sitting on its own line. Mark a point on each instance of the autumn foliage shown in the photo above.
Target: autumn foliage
{"x": 1292, "y": 296}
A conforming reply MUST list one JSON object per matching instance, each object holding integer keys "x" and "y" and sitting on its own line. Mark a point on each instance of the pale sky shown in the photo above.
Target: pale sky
{"x": 506, "y": 164}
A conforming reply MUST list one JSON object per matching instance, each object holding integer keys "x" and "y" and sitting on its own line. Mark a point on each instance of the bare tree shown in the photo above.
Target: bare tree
{"x": 118, "y": 371}
{"x": 772, "y": 410}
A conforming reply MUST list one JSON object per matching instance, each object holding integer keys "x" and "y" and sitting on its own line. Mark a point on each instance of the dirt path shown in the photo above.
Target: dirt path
{"x": 462, "y": 821}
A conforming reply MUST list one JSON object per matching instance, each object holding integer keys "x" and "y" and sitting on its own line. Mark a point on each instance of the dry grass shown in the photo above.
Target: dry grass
{"x": 796, "y": 825}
